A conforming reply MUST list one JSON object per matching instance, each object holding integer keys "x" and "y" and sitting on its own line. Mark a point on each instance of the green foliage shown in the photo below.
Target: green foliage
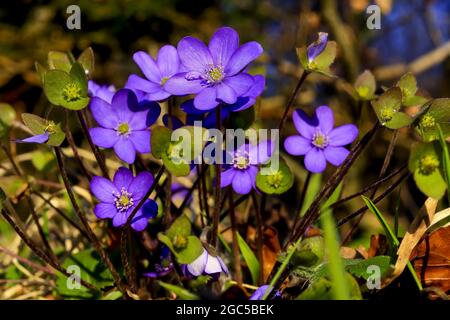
{"x": 322, "y": 62}
{"x": 425, "y": 163}
{"x": 312, "y": 190}
{"x": 408, "y": 86}
{"x": 445, "y": 160}
{"x": 252, "y": 262}
{"x": 437, "y": 112}
{"x": 323, "y": 288}
{"x": 7, "y": 116}
{"x": 38, "y": 125}
{"x": 277, "y": 181}
{"x": 181, "y": 292}
{"x": 43, "y": 160}
{"x": 365, "y": 86}
{"x": 387, "y": 108}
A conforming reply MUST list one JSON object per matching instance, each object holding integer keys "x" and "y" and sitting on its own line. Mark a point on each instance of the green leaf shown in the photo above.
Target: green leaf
{"x": 340, "y": 289}
{"x": 178, "y": 169}
{"x": 250, "y": 258}
{"x": 365, "y": 85}
{"x": 310, "y": 252}
{"x": 78, "y": 74}
{"x": 59, "y": 61}
{"x": 408, "y": 85}
{"x": 312, "y": 190}
{"x": 38, "y": 125}
{"x": 54, "y": 83}
{"x": 445, "y": 160}
{"x": 275, "y": 181}
{"x": 359, "y": 269}
{"x": 399, "y": 120}
{"x": 87, "y": 60}
{"x": 192, "y": 251}
{"x": 437, "y": 112}
{"x": 113, "y": 295}
{"x": 323, "y": 288}
{"x": 414, "y": 101}
{"x": 181, "y": 226}
{"x": 387, "y": 108}
{"x": 425, "y": 163}
{"x": 43, "y": 160}
{"x": 160, "y": 140}
{"x": 179, "y": 291}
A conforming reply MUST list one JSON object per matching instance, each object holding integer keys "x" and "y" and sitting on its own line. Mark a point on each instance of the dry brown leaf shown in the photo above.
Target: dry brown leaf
{"x": 412, "y": 237}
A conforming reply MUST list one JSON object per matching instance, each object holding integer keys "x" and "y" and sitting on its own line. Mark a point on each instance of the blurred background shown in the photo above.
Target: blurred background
{"x": 414, "y": 35}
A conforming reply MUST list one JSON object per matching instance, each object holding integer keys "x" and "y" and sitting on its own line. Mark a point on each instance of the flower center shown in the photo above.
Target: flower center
{"x": 124, "y": 200}
{"x": 428, "y": 164}
{"x": 72, "y": 92}
{"x": 320, "y": 140}
{"x": 241, "y": 161}
{"x": 275, "y": 179}
{"x": 164, "y": 80}
{"x": 215, "y": 74}
{"x": 387, "y": 113}
{"x": 179, "y": 242}
{"x": 123, "y": 129}
{"x": 427, "y": 121}
{"x": 50, "y": 127}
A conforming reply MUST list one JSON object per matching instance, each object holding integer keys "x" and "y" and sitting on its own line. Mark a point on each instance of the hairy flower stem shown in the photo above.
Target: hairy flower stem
{"x": 218, "y": 193}
{"x": 130, "y": 271}
{"x": 95, "y": 150}
{"x": 81, "y": 215}
{"x": 39, "y": 252}
{"x": 292, "y": 99}
{"x": 73, "y": 146}
{"x": 236, "y": 254}
{"x": 386, "y": 162}
{"x": 259, "y": 236}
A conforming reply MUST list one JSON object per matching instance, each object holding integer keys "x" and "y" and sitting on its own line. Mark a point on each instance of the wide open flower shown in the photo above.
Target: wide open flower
{"x": 119, "y": 198}
{"x": 205, "y": 264}
{"x": 242, "y": 171}
{"x": 318, "y": 141}
{"x": 153, "y": 88}
{"x": 214, "y": 73}
{"x": 123, "y": 124}
{"x": 105, "y": 92}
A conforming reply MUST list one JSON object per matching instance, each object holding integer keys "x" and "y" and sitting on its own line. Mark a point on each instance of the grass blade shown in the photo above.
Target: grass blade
{"x": 250, "y": 258}
{"x": 445, "y": 160}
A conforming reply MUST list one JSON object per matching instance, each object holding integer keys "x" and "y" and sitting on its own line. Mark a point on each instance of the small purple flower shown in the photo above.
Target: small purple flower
{"x": 39, "y": 138}
{"x": 157, "y": 73}
{"x": 318, "y": 141}
{"x": 205, "y": 264}
{"x": 317, "y": 47}
{"x": 104, "y": 92}
{"x": 216, "y": 74}
{"x": 123, "y": 124}
{"x": 242, "y": 172}
{"x": 164, "y": 266}
{"x": 260, "y": 292}
{"x": 119, "y": 198}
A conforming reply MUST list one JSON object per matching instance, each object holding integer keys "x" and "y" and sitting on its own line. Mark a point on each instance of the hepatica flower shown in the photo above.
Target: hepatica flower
{"x": 119, "y": 198}
{"x": 164, "y": 265}
{"x": 123, "y": 124}
{"x": 242, "y": 171}
{"x": 105, "y": 92}
{"x": 318, "y": 141}
{"x": 205, "y": 264}
{"x": 156, "y": 73}
{"x": 39, "y": 138}
{"x": 317, "y": 47}
{"x": 215, "y": 73}
{"x": 261, "y": 291}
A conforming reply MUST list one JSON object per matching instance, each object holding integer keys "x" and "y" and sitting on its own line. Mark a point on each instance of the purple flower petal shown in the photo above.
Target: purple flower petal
{"x": 315, "y": 161}
{"x": 103, "y": 114}
{"x": 188, "y": 107}
{"x": 259, "y": 293}
{"x": 222, "y": 264}
{"x": 297, "y": 145}
{"x": 136, "y": 82}
{"x": 168, "y": 61}
{"x": 121, "y": 218}
{"x": 226, "y": 177}
{"x": 175, "y": 122}
{"x": 39, "y": 138}
{"x": 225, "y": 93}
{"x": 240, "y": 83}
{"x": 242, "y": 182}
{"x": 206, "y": 99}
{"x": 140, "y": 220}
{"x": 122, "y": 178}
{"x": 197, "y": 267}
{"x": 213, "y": 265}
{"x": 326, "y": 118}
{"x": 125, "y": 150}
{"x": 343, "y": 135}
{"x": 141, "y": 140}
{"x": 104, "y": 138}
{"x": 148, "y": 66}
{"x": 105, "y": 210}
{"x": 194, "y": 54}
{"x": 335, "y": 155}
{"x": 223, "y": 44}
{"x": 123, "y": 102}
{"x": 259, "y": 82}
{"x": 305, "y": 126}
{"x": 158, "y": 95}
{"x": 242, "y": 57}
{"x": 261, "y": 152}
{"x": 179, "y": 85}
{"x": 317, "y": 47}
{"x": 103, "y": 189}
{"x": 103, "y": 92}
{"x": 140, "y": 185}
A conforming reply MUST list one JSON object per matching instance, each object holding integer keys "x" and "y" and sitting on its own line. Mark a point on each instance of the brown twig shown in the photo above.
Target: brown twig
{"x": 292, "y": 99}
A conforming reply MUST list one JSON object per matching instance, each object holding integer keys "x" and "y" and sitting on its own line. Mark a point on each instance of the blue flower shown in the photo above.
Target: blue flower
{"x": 216, "y": 74}
{"x": 317, "y": 47}
{"x": 39, "y": 138}
{"x": 104, "y": 92}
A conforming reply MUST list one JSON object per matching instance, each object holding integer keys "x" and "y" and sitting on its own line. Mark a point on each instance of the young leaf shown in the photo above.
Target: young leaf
{"x": 181, "y": 226}
{"x": 160, "y": 140}
{"x": 408, "y": 85}
{"x": 365, "y": 85}
{"x": 250, "y": 258}
{"x": 87, "y": 60}
{"x": 387, "y": 108}
{"x": 436, "y": 112}
{"x": 59, "y": 61}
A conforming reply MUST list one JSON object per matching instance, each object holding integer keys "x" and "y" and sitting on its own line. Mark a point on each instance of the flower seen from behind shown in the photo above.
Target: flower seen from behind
{"x": 215, "y": 73}
{"x": 123, "y": 124}
{"x": 318, "y": 141}
{"x": 118, "y": 198}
